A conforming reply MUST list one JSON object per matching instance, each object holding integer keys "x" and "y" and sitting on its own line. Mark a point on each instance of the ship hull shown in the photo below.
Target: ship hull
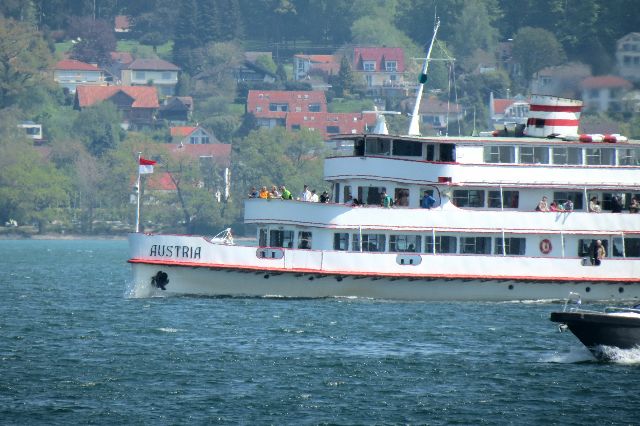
{"x": 601, "y": 329}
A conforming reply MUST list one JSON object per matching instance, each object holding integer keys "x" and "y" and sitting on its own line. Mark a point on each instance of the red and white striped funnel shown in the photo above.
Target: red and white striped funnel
{"x": 552, "y": 115}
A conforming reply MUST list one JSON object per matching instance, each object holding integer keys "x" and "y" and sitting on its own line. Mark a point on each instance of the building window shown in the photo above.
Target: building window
{"x": 475, "y": 245}
{"x": 564, "y": 155}
{"x": 279, "y": 238}
{"x": 468, "y": 198}
{"x": 370, "y": 242}
{"x": 510, "y": 199}
{"x": 166, "y": 76}
{"x": 405, "y": 243}
{"x": 499, "y": 154}
{"x": 333, "y": 129}
{"x": 391, "y": 66}
{"x": 512, "y": 246}
{"x": 295, "y": 127}
{"x": 314, "y": 107}
{"x": 139, "y": 75}
{"x": 444, "y": 244}
{"x": 278, "y": 107}
{"x": 600, "y": 156}
{"x": 369, "y": 66}
{"x": 534, "y": 155}
{"x": 304, "y": 240}
{"x": 341, "y": 241}
{"x": 407, "y": 148}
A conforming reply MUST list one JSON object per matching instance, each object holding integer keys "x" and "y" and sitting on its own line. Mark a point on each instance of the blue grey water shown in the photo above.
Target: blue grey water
{"x": 75, "y": 349}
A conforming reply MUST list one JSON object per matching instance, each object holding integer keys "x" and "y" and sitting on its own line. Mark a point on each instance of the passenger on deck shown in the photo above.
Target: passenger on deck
{"x": 554, "y": 207}
{"x": 352, "y": 201}
{"x": 314, "y": 197}
{"x": 305, "y": 195}
{"x": 594, "y": 205}
{"x": 427, "y": 201}
{"x": 254, "y": 193}
{"x": 634, "y": 207}
{"x": 616, "y": 204}
{"x": 264, "y": 193}
{"x": 568, "y": 206}
{"x": 387, "y": 201}
{"x": 543, "y": 205}
{"x": 324, "y": 197}
{"x": 286, "y": 194}
{"x": 274, "y": 193}
{"x": 598, "y": 253}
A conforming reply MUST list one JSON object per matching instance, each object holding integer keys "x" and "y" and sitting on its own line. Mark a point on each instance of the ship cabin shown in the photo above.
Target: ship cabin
{"x": 485, "y": 172}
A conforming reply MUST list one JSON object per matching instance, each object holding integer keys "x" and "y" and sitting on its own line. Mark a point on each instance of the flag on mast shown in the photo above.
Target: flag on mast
{"x": 145, "y": 166}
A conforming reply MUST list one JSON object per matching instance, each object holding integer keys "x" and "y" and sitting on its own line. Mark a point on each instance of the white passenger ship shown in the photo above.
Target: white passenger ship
{"x": 482, "y": 240}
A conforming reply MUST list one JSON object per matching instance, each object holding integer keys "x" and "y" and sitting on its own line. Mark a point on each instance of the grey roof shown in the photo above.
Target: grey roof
{"x": 152, "y": 65}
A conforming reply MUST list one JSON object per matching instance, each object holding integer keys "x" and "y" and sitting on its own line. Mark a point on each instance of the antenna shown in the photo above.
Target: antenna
{"x": 414, "y": 125}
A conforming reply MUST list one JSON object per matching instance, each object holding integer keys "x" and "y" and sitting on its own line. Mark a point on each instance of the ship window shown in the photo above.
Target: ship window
{"x": 358, "y": 148}
{"x": 402, "y": 197}
{"x": 304, "y": 240}
{"x": 405, "y": 243}
{"x": 407, "y": 148}
{"x": 534, "y": 155}
{"x": 586, "y": 247}
{"x": 375, "y": 146}
{"x": 431, "y": 149}
{"x": 512, "y": 246}
{"x": 475, "y": 245}
{"x": 499, "y": 154}
{"x": 279, "y": 238}
{"x": 468, "y": 198}
{"x": 628, "y": 196}
{"x": 341, "y": 241}
{"x": 262, "y": 237}
{"x": 347, "y": 193}
{"x": 576, "y": 198}
{"x": 447, "y": 152}
{"x": 564, "y": 155}
{"x": 631, "y": 247}
{"x": 628, "y": 156}
{"x": 370, "y": 242}
{"x": 444, "y": 244}
{"x": 510, "y": 199}
{"x": 600, "y": 156}
{"x": 371, "y": 195}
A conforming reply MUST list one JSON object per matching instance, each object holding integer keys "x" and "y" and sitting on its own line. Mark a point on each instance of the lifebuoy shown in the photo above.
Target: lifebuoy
{"x": 545, "y": 246}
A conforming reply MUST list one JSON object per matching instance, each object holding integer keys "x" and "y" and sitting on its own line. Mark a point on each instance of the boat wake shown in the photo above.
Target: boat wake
{"x": 609, "y": 354}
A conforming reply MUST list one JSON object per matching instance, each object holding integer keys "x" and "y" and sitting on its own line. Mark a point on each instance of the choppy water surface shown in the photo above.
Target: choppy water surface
{"x": 75, "y": 349}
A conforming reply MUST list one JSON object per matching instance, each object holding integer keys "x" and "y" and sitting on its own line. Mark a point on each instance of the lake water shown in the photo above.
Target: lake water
{"x": 75, "y": 349}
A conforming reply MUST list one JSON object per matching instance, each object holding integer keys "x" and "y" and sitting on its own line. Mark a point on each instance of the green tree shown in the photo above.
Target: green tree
{"x": 474, "y": 29}
{"x": 345, "y": 80}
{"x": 95, "y": 40}
{"x": 535, "y": 48}
{"x": 99, "y": 128}
{"x": 24, "y": 61}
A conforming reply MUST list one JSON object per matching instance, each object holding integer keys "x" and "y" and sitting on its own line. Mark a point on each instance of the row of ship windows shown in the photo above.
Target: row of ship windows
{"x": 511, "y": 246}
{"x": 606, "y": 156}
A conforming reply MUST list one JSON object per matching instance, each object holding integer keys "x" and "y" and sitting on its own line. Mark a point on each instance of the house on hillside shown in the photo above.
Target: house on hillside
{"x": 604, "y": 93}
{"x": 70, "y": 73}
{"x": 329, "y": 124}
{"x": 315, "y": 69}
{"x": 119, "y": 60}
{"x": 562, "y": 80}
{"x": 155, "y": 72}
{"x": 122, "y": 25}
{"x": 191, "y": 135}
{"x": 138, "y": 105}
{"x": 436, "y": 116}
{"x": 176, "y": 109}
{"x": 381, "y": 70}
{"x": 250, "y": 69}
{"x": 628, "y": 57}
{"x": 270, "y": 107}
{"x": 33, "y": 131}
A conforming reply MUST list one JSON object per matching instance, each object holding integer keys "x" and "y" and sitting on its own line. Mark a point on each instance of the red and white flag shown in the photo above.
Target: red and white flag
{"x": 146, "y": 166}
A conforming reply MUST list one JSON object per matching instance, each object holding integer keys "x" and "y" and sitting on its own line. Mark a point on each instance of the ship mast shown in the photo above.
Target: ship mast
{"x": 414, "y": 125}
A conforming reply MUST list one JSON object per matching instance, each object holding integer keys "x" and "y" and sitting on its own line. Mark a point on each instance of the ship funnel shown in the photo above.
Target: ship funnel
{"x": 552, "y": 115}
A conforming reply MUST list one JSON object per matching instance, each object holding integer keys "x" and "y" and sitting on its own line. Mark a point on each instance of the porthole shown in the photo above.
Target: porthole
{"x": 510, "y": 286}
{"x": 588, "y": 289}
{"x": 620, "y": 290}
{"x": 266, "y": 276}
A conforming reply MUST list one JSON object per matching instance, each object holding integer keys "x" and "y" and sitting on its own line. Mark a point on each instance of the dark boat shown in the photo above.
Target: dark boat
{"x": 614, "y": 327}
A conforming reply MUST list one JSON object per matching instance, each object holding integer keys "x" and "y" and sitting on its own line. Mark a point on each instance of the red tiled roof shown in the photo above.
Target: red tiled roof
{"x": 122, "y": 23}
{"x": 122, "y": 57}
{"x": 605, "y": 81}
{"x": 152, "y": 65}
{"x": 182, "y": 130}
{"x": 345, "y": 122}
{"x": 160, "y": 181}
{"x": 301, "y": 99}
{"x": 379, "y": 55}
{"x": 144, "y": 96}
{"x": 73, "y": 65}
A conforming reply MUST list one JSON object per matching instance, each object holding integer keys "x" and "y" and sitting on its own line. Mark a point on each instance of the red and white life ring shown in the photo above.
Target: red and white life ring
{"x": 545, "y": 246}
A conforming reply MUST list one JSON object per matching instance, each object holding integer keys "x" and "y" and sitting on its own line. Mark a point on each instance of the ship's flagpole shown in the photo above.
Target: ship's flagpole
{"x": 414, "y": 125}
{"x": 138, "y": 191}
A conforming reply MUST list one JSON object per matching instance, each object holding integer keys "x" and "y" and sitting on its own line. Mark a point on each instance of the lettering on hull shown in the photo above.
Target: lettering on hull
{"x": 177, "y": 252}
